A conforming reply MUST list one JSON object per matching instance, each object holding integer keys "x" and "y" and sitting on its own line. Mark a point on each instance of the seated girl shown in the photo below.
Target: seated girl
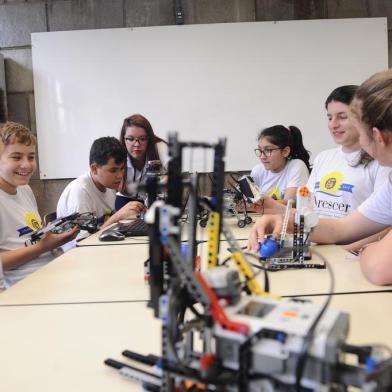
{"x": 284, "y": 163}
{"x": 142, "y": 145}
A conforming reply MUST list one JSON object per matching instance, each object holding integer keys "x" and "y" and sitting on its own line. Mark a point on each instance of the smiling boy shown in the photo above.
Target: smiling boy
{"x": 19, "y": 214}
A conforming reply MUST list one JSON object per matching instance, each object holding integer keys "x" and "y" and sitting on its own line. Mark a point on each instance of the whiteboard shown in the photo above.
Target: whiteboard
{"x": 204, "y": 81}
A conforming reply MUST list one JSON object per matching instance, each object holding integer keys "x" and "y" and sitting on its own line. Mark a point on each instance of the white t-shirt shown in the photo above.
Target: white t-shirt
{"x": 19, "y": 217}
{"x": 378, "y": 207}
{"x": 81, "y": 195}
{"x": 135, "y": 176}
{"x": 338, "y": 186}
{"x": 294, "y": 175}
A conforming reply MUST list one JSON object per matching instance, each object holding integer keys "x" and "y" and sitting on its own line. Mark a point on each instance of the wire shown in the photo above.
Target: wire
{"x": 303, "y": 356}
{"x": 233, "y": 178}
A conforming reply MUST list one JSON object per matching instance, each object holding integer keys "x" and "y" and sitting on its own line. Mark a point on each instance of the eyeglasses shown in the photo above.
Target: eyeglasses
{"x": 133, "y": 140}
{"x": 267, "y": 152}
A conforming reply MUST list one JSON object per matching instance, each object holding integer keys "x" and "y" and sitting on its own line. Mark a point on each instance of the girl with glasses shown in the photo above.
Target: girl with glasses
{"x": 284, "y": 162}
{"x": 142, "y": 145}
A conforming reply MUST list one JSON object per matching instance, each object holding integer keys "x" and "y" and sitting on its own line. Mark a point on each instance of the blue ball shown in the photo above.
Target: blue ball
{"x": 268, "y": 248}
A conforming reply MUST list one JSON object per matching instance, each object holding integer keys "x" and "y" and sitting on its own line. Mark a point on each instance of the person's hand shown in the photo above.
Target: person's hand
{"x": 52, "y": 241}
{"x": 131, "y": 210}
{"x": 267, "y": 224}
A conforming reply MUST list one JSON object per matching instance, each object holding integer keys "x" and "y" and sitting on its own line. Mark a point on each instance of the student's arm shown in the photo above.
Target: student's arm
{"x": 267, "y": 206}
{"x": 376, "y": 261}
{"x": 358, "y": 245}
{"x": 351, "y": 228}
{"x": 130, "y": 211}
{"x": 291, "y": 193}
{"x": 298, "y": 176}
{"x": 15, "y": 258}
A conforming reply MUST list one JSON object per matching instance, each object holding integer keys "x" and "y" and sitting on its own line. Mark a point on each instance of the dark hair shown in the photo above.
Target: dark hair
{"x": 287, "y": 137}
{"x": 345, "y": 94}
{"x": 105, "y": 148}
{"x": 137, "y": 120}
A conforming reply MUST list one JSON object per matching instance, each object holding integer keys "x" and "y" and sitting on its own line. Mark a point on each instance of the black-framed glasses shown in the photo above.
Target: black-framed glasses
{"x": 133, "y": 140}
{"x": 267, "y": 152}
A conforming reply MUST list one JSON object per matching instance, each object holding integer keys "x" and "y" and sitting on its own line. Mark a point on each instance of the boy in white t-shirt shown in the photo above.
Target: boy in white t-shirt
{"x": 19, "y": 215}
{"x": 94, "y": 191}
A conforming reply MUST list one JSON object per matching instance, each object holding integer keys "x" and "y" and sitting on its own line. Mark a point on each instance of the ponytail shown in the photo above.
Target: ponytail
{"x": 298, "y": 151}
{"x": 287, "y": 137}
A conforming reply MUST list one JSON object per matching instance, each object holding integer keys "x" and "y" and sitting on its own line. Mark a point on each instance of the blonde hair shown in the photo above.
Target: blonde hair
{"x": 372, "y": 104}
{"x": 11, "y": 132}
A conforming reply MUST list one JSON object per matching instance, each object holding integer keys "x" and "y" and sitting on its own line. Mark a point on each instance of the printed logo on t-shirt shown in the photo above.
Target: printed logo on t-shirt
{"x": 275, "y": 194}
{"x": 332, "y": 185}
{"x": 33, "y": 223}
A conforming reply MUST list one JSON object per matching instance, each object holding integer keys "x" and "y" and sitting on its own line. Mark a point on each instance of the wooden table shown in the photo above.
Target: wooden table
{"x": 87, "y": 274}
{"x": 62, "y": 347}
{"x": 116, "y": 273}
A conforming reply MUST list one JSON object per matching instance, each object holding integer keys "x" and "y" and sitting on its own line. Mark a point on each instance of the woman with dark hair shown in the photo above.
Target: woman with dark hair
{"x": 142, "y": 144}
{"x": 284, "y": 162}
{"x": 343, "y": 177}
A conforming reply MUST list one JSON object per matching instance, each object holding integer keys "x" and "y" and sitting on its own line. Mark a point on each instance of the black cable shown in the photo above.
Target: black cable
{"x": 303, "y": 356}
{"x": 233, "y": 178}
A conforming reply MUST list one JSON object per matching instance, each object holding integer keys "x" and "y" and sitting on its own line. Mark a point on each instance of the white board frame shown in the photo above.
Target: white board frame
{"x": 204, "y": 81}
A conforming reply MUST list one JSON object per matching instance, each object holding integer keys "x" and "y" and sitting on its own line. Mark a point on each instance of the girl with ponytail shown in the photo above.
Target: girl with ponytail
{"x": 284, "y": 162}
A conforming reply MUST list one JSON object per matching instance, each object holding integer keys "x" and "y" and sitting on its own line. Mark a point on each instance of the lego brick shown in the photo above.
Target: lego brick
{"x": 87, "y": 14}
{"x": 17, "y": 21}
{"x": 18, "y": 70}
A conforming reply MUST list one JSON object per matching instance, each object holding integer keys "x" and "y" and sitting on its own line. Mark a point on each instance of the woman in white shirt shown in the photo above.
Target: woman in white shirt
{"x": 142, "y": 145}
{"x": 284, "y": 162}
{"x": 345, "y": 176}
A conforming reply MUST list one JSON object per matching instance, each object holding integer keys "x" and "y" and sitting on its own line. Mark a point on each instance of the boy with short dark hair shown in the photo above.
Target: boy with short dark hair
{"x": 19, "y": 214}
{"x": 94, "y": 191}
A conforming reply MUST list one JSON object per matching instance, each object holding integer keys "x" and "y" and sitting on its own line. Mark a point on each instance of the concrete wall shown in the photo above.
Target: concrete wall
{"x": 3, "y": 103}
{"x": 19, "y": 18}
